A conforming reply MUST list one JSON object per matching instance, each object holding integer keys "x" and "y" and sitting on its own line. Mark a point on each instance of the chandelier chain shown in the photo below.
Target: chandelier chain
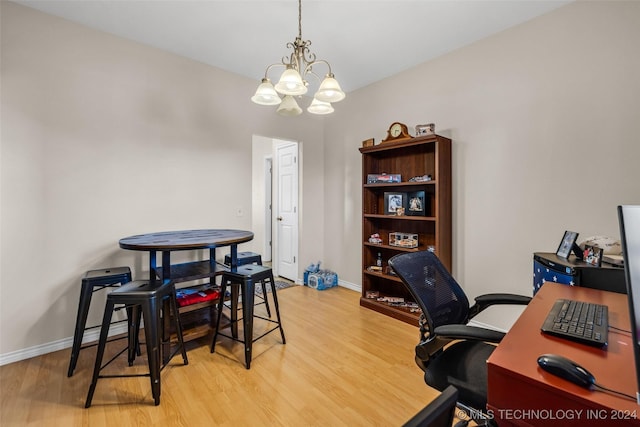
{"x": 300, "y": 19}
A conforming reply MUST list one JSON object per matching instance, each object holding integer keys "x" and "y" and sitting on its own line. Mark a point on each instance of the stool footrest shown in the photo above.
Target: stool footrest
{"x": 254, "y": 339}
{"x": 124, "y": 375}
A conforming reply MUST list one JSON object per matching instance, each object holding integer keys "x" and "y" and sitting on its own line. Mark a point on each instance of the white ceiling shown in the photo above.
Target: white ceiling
{"x": 363, "y": 40}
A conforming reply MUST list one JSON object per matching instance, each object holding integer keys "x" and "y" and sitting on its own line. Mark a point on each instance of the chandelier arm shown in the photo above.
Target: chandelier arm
{"x": 308, "y": 58}
{"x": 266, "y": 72}
{"x": 311, "y": 64}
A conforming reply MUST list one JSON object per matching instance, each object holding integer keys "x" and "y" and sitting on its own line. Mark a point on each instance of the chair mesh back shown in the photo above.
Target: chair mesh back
{"x": 439, "y": 296}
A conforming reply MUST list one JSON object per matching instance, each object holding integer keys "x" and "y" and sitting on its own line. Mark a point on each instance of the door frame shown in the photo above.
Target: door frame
{"x": 264, "y": 148}
{"x": 267, "y": 246}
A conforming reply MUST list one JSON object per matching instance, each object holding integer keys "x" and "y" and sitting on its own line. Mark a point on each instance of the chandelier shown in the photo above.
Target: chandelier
{"x": 293, "y": 81}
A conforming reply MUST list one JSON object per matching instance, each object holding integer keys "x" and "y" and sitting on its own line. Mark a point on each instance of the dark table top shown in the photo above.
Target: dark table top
{"x": 185, "y": 240}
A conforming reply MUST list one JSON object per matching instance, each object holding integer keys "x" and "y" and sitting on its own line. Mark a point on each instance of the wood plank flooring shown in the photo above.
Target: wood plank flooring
{"x": 343, "y": 365}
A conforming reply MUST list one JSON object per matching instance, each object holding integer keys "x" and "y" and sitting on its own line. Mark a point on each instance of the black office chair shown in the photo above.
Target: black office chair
{"x": 440, "y": 412}
{"x": 445, "y": 314}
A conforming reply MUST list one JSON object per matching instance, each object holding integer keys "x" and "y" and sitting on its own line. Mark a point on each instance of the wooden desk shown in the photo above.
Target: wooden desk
{"x": 167, "y": 242}
{"x": 520, "y": 393}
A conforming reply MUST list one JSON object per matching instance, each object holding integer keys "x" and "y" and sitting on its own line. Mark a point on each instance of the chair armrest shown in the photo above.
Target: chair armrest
{"x": 484, "y": 301}
{"x": 466, "y": 332}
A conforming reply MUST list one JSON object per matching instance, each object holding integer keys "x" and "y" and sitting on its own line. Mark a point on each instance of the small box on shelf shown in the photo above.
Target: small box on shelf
{"x": 403, "y": 240}
{"x": 383, "y": 178}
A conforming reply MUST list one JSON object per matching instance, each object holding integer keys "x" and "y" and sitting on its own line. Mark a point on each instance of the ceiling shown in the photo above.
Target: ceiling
{"x": 364, "y": 40}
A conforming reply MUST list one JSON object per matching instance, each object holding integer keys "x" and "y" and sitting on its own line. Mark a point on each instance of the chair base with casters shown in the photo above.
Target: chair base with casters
{"x": 145, "y": 299}
{"x": 93, "y": 281}
{"x": 245, "y": 277}
{"x": 450, "y": 351}
{"x": 245, "y": 258}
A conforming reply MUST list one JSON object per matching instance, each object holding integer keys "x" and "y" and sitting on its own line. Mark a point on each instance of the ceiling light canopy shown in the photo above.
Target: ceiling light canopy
{"x": 293, "y": 81}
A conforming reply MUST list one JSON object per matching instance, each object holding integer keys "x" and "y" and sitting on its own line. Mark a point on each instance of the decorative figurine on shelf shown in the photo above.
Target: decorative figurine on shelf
{"x": 422, "y": 178}
{"x": 375, "y": 239}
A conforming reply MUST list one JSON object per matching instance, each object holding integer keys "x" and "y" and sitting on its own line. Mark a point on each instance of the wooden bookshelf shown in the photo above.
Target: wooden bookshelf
{"x": 413, "y": 157}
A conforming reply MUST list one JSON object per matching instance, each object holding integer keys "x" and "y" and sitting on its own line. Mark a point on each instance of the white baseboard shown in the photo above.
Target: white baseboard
{"x": 350, "y": 285}
{"x": 39, "y": 350}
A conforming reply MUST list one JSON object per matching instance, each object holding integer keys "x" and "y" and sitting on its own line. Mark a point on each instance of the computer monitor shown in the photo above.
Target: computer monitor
{"x": 629, "y": 219}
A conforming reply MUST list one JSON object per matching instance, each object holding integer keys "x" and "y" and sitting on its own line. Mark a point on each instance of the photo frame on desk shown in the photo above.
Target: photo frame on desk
{"x": 566, "y": 244}
{"x": 592, "y": 255}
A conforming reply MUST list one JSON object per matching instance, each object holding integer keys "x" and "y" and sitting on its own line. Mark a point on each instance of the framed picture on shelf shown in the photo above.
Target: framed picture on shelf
{"x": 368, "y": 142}
{"x": 429, "y": 129}
{"x": 394, "y": 202}
{"x": 592, "y": 255}
{"x": 416, "y": 204}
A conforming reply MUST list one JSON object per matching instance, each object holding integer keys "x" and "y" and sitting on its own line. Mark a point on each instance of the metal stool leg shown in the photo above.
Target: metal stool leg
{"x": 151, "y": 314}
{"x": 266, "y": 299}
{"x": 223, "y": 289}
{"x": 176, "y": 315}
{"x": 275, "y": 303}
{"x": 102, "y": 343}
{"x": 134, "y": 314}
{"x": 81, "y": 322}
{"x": 247, "y": 318}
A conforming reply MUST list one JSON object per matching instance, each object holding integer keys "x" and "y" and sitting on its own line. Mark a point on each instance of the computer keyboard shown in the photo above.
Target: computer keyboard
{"x": 583, "y": 322}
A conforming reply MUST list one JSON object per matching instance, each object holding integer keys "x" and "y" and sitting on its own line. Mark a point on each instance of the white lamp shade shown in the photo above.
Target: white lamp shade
{"x": 320, "y": 107}
{"x": 329, "y": 90}
{"x": 291, "y": 83}
{"x": 266, "y": 94}
{"x": 289, "y": 107}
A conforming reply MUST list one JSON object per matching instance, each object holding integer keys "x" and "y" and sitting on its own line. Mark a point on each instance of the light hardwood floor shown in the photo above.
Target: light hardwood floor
{"x": 343, "y": 365}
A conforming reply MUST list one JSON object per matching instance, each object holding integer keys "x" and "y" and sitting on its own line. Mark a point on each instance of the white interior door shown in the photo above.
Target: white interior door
{"x": 287, "y": 211}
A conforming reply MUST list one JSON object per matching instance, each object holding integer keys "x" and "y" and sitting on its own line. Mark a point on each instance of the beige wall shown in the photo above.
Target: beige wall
{"x": 104, "y": 138}
{"x": 544, "y": 122}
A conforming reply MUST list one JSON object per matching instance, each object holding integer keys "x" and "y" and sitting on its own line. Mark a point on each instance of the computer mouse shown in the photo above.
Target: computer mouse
{"x": 566, "y": 369}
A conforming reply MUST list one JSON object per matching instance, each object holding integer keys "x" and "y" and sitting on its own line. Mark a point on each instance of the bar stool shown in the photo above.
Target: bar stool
{"x": 245, "y": 277}
{"x": 148, "y": 298}
{"x": 93, "y": 281}
{"x": 245, "y": 258}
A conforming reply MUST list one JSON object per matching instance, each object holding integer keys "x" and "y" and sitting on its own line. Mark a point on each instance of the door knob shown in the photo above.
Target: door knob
{"x": 279, "y": 218}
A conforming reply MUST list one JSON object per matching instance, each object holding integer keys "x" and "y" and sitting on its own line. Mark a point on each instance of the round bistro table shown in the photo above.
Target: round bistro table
{"x": 167, "y": 242}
